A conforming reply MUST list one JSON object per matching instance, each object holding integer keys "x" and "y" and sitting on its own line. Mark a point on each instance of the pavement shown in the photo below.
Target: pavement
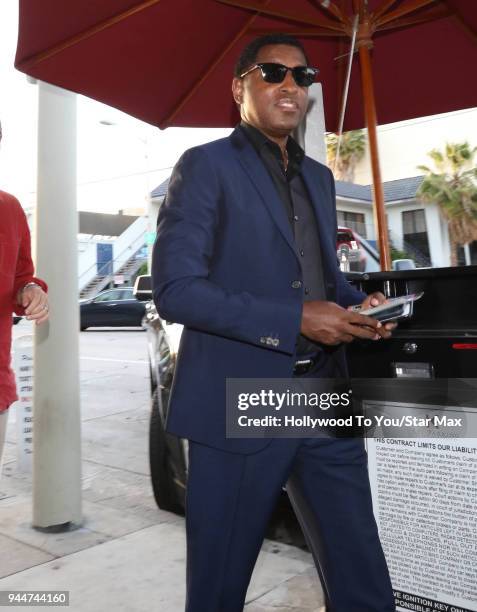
{"x": 127, "y": 555}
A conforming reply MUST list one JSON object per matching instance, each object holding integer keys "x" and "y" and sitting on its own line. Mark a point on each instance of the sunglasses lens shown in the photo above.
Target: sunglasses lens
{"x": 273, "y": 73}
{"x": 276, "y": 73}
{"x": 303, "y": 76}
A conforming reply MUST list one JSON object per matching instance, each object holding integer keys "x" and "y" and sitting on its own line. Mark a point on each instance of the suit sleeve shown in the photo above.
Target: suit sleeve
{"x": 183, "y": 292}
{"x": 346, "y": 294}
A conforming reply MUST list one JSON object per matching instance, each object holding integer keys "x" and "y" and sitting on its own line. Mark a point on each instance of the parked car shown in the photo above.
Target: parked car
{"x": 347, "y": 241}
{"x": 403, "y": 264}
{"x": 439, "y": 342}
{"x": 168, "y": 455}
{"x": 112, "y": 308}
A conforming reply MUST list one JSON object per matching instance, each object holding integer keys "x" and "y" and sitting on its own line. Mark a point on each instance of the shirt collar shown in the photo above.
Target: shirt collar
{"x": 259, "y": 140}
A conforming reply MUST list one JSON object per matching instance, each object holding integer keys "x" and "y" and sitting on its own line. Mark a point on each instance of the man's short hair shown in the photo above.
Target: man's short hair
{"x": 248, "y": 57}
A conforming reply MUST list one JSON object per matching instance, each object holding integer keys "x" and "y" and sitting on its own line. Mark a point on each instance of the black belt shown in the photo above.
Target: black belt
{"x": 304, "y": 364}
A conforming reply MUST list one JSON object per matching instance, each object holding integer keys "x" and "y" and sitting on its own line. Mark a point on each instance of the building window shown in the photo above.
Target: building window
{"x": 353, "y": 220}
{"x": 473, "y": 252}
{"x": 415, "y": 233}
{"x": 462, "y": 259}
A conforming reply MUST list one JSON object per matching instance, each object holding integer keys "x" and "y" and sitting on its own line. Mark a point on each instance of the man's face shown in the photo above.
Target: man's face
{"x": 274, "y": 108}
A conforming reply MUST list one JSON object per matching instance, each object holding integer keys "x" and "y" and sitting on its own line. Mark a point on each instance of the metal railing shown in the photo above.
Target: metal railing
{"x": 105, "y": 276}
{"x": 137, "y": 243}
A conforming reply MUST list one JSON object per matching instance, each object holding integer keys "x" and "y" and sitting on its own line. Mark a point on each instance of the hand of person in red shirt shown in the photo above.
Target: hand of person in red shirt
{"x": 35, "y": 302}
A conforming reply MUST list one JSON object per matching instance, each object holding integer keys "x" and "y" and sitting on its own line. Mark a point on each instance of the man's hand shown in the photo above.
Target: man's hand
{"x": 374, "y": 299}
{"x": 35, "y": 302}
{"x": 328, "y": 323}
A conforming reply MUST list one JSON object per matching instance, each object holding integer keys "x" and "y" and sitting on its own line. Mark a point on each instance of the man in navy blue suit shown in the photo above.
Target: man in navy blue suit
{"x": 245, "y": 259}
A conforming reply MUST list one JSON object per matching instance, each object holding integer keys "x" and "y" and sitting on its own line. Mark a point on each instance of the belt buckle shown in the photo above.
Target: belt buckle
{"x": 302, "y": 366}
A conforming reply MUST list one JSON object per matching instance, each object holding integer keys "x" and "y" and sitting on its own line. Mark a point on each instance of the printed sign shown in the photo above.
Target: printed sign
{"x": 425, "y": 503}
{"x": 23, "y": 368}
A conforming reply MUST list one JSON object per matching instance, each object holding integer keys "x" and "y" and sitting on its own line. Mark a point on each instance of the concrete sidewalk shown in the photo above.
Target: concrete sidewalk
{"x": 128, "y": 555}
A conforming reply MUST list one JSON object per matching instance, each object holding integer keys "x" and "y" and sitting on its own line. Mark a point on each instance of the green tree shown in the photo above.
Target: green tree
{"x": 452, "y": 184}
{"x": 352, "y": 150}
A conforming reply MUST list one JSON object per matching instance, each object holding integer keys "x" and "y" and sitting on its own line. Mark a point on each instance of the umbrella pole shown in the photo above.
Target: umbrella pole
{"x": 371, "y": 121}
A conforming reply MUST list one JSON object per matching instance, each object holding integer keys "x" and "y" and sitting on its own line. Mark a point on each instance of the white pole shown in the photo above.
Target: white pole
{"x": 56, "y": 422}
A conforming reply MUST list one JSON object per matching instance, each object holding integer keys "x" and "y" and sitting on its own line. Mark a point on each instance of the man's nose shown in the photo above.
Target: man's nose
{"x": 288, "y": 83}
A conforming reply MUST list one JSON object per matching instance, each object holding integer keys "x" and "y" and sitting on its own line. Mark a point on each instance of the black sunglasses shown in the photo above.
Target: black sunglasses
{"x": 276, "y": 73}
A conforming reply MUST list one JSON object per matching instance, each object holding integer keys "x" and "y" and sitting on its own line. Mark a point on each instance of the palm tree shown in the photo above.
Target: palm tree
{"x": 351, "y": 151}
{"x": 453, "y": 186}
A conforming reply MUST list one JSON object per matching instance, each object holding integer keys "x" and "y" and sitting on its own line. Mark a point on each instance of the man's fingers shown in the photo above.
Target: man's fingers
{"x": 359, "y": 319}
{"x": 42, "y": 319}
{"x": 365, "y": 333}
{"x": 38, "y": 314}
{"x": 384, "y": 332}
{"x": 32, "y": 302}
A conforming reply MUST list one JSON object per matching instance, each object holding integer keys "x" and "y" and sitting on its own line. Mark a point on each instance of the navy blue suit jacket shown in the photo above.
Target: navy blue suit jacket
{"x": 224, "y": 266}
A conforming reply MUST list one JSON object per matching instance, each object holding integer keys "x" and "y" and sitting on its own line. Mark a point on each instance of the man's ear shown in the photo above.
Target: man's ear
{"x": 237, "y": 90}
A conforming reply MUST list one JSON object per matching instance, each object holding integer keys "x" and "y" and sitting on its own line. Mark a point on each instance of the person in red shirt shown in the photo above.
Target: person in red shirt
{"x": 20, "y": 292}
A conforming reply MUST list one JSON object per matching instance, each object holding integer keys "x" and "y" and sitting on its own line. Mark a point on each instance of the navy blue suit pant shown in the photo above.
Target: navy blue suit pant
{"x": 230, "y": 498}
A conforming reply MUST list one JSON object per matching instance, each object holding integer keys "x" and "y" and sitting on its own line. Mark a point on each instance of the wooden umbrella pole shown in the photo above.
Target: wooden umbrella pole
{"x": 371, "y": 121}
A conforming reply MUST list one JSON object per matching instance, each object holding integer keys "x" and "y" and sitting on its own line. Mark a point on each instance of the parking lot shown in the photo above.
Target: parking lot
{"x": 128, "y": 554}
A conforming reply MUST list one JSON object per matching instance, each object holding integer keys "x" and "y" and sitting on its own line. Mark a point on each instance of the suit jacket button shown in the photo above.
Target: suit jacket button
{"x": 296, "y": 284}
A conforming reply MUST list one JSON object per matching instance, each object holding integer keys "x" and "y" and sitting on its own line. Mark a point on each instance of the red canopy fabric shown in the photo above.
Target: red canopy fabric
{"x": 170, "y": 62}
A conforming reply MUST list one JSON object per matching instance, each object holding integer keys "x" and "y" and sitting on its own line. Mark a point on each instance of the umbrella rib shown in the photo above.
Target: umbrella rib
{"x": 432, "y": 15}
{"x": 208, "y": 70}
{"x": 31, "y": 61}
{"x": 383, "y": 8}
{"x": 412, "y": 6}
{"x": 466, "y": 27}
{"x": 322, "y": 22}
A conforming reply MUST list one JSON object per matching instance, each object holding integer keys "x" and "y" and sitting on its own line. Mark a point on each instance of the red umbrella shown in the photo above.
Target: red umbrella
{"x": 170, "y": 62}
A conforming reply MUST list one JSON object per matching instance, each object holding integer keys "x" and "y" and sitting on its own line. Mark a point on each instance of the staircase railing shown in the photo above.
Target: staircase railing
{"x": 104, "y": 276}
{"x": 134, "y": 246}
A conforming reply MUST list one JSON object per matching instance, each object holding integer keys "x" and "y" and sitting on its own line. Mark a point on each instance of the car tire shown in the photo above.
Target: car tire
{"x": 168, "y": 494}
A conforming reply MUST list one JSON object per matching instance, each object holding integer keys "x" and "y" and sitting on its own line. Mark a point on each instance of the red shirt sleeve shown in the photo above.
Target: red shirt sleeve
{"x": 24, "y": 269}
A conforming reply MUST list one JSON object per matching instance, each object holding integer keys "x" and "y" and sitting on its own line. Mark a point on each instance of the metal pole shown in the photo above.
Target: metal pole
{"x": 56, "y": 437}
{"x": 371, "y": 121}
{"x": 345, "y": 92}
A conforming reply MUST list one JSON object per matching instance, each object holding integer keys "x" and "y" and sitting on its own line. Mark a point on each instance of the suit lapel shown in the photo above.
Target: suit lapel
{"x": 258, "y": 174}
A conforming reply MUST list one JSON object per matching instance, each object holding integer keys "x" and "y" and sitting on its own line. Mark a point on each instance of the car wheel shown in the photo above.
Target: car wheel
{"x": 168, "y": 494}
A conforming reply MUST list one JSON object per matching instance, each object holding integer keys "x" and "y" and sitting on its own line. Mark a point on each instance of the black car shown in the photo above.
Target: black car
{"x": 112, "y": 308}
{"x": 168, "y": 454}
{"x": 426, "y": 346}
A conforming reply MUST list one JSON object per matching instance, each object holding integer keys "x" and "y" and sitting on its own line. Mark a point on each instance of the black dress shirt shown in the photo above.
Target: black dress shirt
{"x": 296, "y": 200}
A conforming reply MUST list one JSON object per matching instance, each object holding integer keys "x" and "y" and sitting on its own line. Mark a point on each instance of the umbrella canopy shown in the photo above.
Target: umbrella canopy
{"x": 170, "y": 62}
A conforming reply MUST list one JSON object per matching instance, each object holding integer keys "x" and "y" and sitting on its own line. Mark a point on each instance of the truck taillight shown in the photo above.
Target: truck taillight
{"x": 465, "y": 346}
